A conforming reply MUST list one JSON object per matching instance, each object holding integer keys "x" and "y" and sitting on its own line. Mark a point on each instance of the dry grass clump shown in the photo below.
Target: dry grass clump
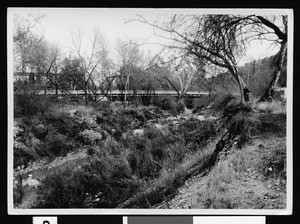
{"x": 216, "y": 194}
{"x": 275, "y": 107}
{"x": 243, "y": 125}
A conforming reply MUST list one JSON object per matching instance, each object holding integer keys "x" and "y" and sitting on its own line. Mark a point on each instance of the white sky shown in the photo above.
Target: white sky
{"x": 58, "y": 21}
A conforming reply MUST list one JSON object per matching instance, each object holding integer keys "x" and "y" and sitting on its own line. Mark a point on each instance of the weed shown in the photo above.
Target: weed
{"x": 243, "y": 124}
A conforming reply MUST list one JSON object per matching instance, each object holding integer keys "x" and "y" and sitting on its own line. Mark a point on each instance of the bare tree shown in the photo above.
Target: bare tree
{"x": 89, "y": 59}
{"x": 270, "y": 28}
{"x": 45, "y": 60}
{"x": 185, "y": 71}
{"x": 130, "y": 57}
{"x": 217, "y": 39}
{"x": 265, "y": 28}
{"x": 26, "y": 37}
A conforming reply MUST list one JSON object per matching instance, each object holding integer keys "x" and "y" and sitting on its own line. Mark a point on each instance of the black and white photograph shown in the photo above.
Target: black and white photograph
{"x": 157, "y": 111}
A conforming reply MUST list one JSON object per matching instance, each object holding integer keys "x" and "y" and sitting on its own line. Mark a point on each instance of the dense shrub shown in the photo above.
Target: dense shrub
{"x": 23, "y": 155}
{"x": 222, "y": 101}
{"x": 180, "y": 107}
{"x": 62, "y": 191}
{"x": 274, "y": 164}
{"x": 152, "y": 151}
{"x": 189, "y": 102}
{"x": 55, "y": 145}
{"x": 115, "y": 124}
{"x": 167, "y": 103}
{"x": 243, "y": 125}
{"x": 103, "y": 183}
{"x": 29, "y": 105}
{"x": 196, "y": 133}
{"x": 65, "y": 124}
{"x": 103, "y": 106}
{"x": 141, "y": 160}
{"x": 272, "y": 123}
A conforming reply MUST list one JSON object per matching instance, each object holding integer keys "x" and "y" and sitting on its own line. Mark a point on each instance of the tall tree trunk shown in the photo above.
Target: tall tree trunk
{"x": 126, "y": 88}
{"x": 56, "y": 91}
{"x": 244, "y": 91}
{"x": 279, "y": 60}
{"x": 85, "y": 92}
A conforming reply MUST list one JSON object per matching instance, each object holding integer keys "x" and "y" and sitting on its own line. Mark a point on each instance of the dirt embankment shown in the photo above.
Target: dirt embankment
{"x": 251, "y": 177}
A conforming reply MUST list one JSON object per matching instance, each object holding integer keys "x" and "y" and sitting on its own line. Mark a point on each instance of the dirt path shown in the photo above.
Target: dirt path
{"x": 246, "y": 189}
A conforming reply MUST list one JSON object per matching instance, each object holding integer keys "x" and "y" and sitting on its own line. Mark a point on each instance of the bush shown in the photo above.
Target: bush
{"x": 180, "y": 107}
{"x": 104, "y": 183}
{"x": 55, "y": 145}
{"x": 29, "y": 105}
{"x": 104, "y": 106}
{"x": 274, "y": 164}
{"x": 65, "y": 124}
{"x": 64, "y": 190}
{"x": 196, "y": 133}
{"x": 141, "y": 159}
{"x": 243, "y": 125}
{"x": 23, "y": 154}
{"x": 167, "y": 103}
{"x": 189, "y": 102}
{"x": 272, "y": 123}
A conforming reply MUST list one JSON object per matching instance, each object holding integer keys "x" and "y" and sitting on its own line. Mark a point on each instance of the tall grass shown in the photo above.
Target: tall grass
{"x": 216, "y": 194}
{"x": 275, "y": 107}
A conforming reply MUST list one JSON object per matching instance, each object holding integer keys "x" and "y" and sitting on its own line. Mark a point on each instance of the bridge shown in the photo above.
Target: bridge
{"x": 115, "y": 93}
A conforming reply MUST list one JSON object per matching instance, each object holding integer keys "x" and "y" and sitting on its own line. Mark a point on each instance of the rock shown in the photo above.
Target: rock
{"x": 138, "y": 132}
{"x": 200, "y": 117}
{"x": 162, "y": 128}
{"x": 90, "y": 136}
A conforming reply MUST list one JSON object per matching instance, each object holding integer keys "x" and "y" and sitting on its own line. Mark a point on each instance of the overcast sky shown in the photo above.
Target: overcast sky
{"x": 58, "y": 22}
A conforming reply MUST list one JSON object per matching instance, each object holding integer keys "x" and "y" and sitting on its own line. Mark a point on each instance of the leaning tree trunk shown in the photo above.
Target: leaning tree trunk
{"x": 279, "y": 60}
{"x": 244, "y": 91}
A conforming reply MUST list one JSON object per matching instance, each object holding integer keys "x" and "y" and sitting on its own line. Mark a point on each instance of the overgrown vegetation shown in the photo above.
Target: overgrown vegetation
{"x": 134, "y": 146}
{"x": 139, "y": 170}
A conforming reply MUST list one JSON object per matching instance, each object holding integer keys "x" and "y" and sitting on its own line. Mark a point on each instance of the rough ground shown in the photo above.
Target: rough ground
{"x": 243, "y": 178}
{"x": 248, "y": 189}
